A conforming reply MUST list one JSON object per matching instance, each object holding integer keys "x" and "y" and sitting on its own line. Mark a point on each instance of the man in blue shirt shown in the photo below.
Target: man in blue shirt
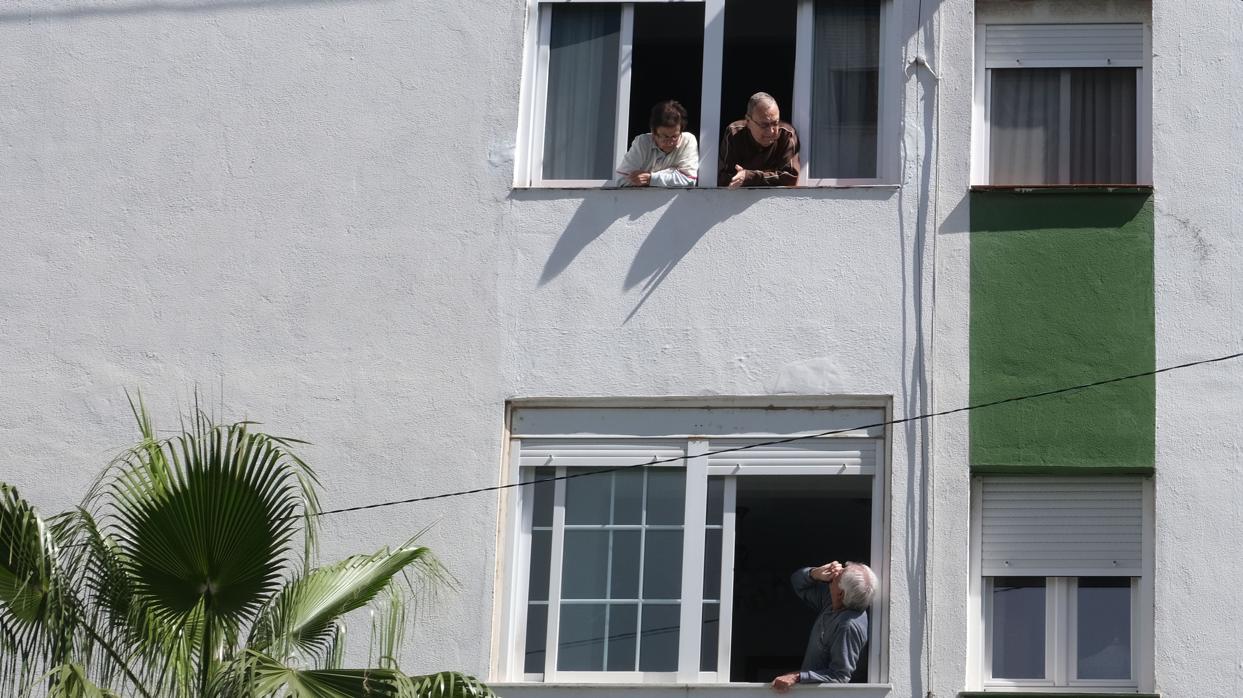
{"x": 841, "y": 594}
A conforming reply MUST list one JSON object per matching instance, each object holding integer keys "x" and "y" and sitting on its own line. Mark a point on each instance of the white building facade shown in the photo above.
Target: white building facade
{"x": 380, "y": 226}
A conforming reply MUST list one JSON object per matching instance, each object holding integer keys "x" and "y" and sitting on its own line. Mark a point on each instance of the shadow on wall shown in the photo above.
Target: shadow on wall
{"x": 687, "y": 217}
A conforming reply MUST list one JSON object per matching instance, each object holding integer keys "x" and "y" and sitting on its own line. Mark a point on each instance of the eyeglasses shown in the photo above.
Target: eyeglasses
{"x": 765, "y": 125}
{"x": 667, "y": 139}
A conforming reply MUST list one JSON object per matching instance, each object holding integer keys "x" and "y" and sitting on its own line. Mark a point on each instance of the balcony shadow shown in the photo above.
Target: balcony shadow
{"x": 687, "y": 219}
{"x": 599, "y": 210}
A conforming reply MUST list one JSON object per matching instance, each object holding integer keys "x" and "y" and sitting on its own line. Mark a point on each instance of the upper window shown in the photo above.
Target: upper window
{"x": 598, "y": 68}
{"x": 1063, "y": 104}
{"x": 678, "y": 572}
{"x": 1062, "y": 565}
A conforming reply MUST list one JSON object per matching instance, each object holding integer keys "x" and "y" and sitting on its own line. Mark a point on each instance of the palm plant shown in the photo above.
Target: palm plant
{"x": 181, "y": 575}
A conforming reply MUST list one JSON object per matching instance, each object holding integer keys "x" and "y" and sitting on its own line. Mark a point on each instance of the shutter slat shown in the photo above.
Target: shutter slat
{"x": 1062, "y": 526}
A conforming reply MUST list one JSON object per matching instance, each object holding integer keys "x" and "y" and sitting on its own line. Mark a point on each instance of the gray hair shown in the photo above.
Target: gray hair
{"x": 759, "y": 99}
{"x": 858, "y": 584}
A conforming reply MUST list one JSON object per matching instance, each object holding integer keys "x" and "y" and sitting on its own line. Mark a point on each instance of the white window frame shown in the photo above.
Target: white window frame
{"x": 1061, "y": 613}
{"x": 529, "y": 153}
{"x": 982, "y": 98}
{"x": 511, "y": 640}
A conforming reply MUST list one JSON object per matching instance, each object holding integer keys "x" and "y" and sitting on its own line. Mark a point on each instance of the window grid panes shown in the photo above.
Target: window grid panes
{"x": 621, "y": 572}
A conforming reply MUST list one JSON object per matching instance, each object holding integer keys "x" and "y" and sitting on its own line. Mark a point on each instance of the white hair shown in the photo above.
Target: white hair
{"x": 858, "y": 584}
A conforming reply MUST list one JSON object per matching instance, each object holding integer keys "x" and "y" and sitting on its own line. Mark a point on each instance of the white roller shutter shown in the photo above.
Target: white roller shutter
{"x": 598, "y": 453}
{"x": 860, "y": 455}
{"x": 1051, "y": 527}
{"x": 1063, "y": 45}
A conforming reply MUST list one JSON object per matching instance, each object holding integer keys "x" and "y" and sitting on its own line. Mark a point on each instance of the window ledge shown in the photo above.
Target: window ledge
{"x": 1065, "y": 188}
{"x": 766, "y": 190}
{"x": 733, "y": 690}
{"x": 1060, "y": 692}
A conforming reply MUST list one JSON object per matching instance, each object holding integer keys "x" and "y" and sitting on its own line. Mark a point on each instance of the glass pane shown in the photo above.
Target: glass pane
{"x": 845, "y": 95}
{"x": 584, "y": 567}
{"x": 1018, "y": 627}
{"x": 625, "y": 572}
{"x": 587, "y": 497}
{"x": 666, "y": 495}
{"x": 541, "y": 560}
{"x": 712, "y": 563}
{"x": 708, "y": 639}
{"x": 537, "y": 633}
{"x": 580, "y": 646}
{"x": 1025, "y": 126}
{"x": 628, "y": 497}
{"x": 1102, "y": 125}
{"x": 623, "y": 637}
{"x": 542, "y": 515}
{"x": 662, "y": 565}
{"x": 658, "y": 647}
{"x": 582, "y": 91}
{"x": 716, "y": 500}
{"x": 1104, "y": 622}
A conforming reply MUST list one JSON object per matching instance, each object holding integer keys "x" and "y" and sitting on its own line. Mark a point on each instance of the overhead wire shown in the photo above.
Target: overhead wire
{"x": 785, "y": 440}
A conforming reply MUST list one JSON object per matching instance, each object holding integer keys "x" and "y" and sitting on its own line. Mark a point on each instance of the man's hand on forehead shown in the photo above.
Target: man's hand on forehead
{"x": 827, "y": 572}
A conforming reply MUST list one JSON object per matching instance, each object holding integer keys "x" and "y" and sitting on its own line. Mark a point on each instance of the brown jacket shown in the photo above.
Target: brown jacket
{"x": 774, "y": 166}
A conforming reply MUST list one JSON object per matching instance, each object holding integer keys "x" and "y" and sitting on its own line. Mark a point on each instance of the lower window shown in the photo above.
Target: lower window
{"x": 1061, "y": 630}
{"x": 679, "y": 571}
{"x": 1062, "y": 582}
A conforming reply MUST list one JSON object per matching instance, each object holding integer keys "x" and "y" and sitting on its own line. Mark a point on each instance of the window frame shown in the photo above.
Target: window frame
{"x": 982, "y": 97}
{"x": 510, "y": 665}
{"x": 1061, "y": 636}
{"x": 528, "y": 156}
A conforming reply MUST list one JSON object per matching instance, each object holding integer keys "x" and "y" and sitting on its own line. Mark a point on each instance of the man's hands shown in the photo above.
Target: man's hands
{"x": 640, "y": 179}
{"x": 826, "y": 573}
{"x": 782, "y": 683}
{"x": 740, "y": 175}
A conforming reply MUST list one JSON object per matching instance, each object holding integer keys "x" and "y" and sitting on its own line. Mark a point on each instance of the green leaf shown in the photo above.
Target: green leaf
{"x": 216, "y": 534}
{"x": 303, "y": 616}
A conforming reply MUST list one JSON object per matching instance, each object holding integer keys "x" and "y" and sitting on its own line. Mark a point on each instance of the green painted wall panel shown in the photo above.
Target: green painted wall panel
{"x": 1062, "y": 294}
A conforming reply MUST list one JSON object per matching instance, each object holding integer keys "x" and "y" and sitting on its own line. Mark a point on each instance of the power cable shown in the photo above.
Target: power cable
{"x": 786, "y": 440}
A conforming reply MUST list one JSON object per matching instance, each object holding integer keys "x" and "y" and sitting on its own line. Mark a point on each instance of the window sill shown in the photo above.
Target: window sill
{"x": 705, "y": 690}
{"x": 1065, "y": 188}
{"x": 809, "y": 187}
{"x": 1060, "y": 692}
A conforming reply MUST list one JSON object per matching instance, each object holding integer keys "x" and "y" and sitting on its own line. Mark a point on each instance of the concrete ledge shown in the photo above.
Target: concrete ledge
{"x": 705, "y": 690}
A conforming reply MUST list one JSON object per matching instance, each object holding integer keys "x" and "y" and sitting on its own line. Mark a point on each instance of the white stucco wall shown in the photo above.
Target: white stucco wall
{"x": 1197, "y": 121}
{"x": 304, "y": 208}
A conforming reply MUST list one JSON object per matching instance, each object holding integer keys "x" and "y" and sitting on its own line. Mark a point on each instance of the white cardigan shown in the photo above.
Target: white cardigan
{"x": 678, "y": 168}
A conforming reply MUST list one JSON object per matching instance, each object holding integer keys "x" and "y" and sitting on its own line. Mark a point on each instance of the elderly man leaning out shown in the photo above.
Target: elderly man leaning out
{"x": 841, "y": 594}
{"x": 666, "y": 157}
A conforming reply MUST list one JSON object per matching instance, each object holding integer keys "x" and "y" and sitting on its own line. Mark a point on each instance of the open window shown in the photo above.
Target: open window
{"x": 1063, "y": 104}
{"x": 1062, "y": 584}
{"x": 597, "y": 68}
{"x": 679, "y": 571}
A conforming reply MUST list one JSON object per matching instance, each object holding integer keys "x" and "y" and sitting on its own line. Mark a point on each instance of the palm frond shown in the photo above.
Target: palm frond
{"x": 37, "y": 613}
{"x": 70, "y": 680}
{"x": 302, "y": 618}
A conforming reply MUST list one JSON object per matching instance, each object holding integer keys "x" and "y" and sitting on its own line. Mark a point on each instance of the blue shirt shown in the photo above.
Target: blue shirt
{"x": 836, "y": 639}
